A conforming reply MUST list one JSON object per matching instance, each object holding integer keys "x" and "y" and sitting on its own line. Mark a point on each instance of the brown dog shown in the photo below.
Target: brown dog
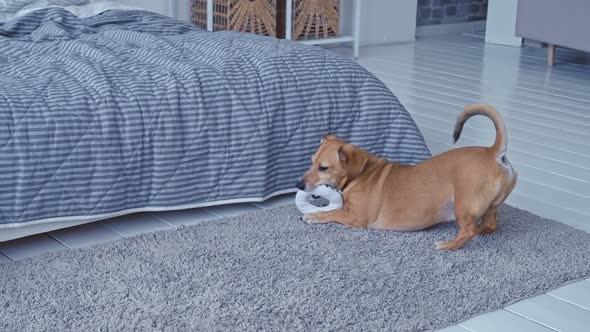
{"x": 463, "y": 184}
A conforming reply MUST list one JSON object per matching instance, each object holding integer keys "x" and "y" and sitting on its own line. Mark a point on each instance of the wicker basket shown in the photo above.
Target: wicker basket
{"x": 314, "y": 19}
{"x": 257, "y": 16}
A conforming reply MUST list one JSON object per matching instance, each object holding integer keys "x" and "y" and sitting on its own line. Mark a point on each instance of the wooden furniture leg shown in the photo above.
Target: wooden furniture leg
{"x": 550, "y": 54}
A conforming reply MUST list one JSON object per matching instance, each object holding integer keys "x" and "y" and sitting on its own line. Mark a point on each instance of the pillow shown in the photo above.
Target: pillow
{"x": 83, "y": 8}
{"x": 13, "y": 6}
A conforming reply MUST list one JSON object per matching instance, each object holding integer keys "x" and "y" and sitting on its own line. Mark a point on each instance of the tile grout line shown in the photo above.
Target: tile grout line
{"x": 406, "y": 75}
{"x": 479, "y": 56}
{"x": 67, "y": 247}
{"x": 414, "y": 99}
{"x": 520, "y": 134}
{"x": 218, "y": 216}
{"x": 447, "y": 65}
{"x": 453, "y": 72}
{"x": 466, "y": 328}
{"x": 503, "y": 99}
{"x": 241, "y": 213}
{"x": 532, "y": 320}
{"x": 373, "y": 66}
{"x": 12, "y": 259}
{"x": 528, "y": 319}
{"x": 114, "y": 231}
{"x": 472, "y": 35}
{"x": 416, "y": 96}
{"x": 564, "y": 220}
{"x": 4, "y": 255}
{"x": 422, "y": 92}
{"x": 451, "y": 78}
{"x": 426, "y": 123}
{"x": 569, "y": 153}
{"x": 449, "y": 71}
{"x": 62, "y": 243}
{"x": 534, "y": 56}
{"x": 426, "y": 69}
{"x": 512, "y": 149}
{"x": 162, "y": 220}
{"x": 260, "y": 206}
{"x": 567, "y": 301}
{"x": 446, "y": 57}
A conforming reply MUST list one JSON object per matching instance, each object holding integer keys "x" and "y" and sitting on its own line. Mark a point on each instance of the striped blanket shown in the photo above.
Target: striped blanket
{"x": 130, "y": 110}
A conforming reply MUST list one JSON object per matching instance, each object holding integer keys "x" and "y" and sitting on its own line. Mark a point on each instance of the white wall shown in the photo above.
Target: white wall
{"x": 158, "y": 6}
{"x": 501, "y": 23}
{"x": 161, "y": 6}
{"x": 183, "y": 10}
{"x": 387, "y": 21}
{"x": 382, "y": 21}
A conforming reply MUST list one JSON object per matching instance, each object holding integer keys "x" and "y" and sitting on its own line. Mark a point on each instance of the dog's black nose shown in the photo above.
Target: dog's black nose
{"x": 300, "y": 185}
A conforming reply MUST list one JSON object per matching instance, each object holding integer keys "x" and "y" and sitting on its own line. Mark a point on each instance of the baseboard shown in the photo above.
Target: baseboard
{"x": 384, "y": 43}
{"x": 451, "y": 28}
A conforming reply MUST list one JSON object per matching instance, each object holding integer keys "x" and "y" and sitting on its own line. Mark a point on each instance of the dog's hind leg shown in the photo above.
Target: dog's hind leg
{"x": 467, "y": 211}
{"x": 488, "y": 221}
{"x": 467, "y": 230}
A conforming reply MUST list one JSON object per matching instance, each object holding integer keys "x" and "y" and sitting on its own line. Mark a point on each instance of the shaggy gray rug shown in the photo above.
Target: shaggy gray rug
{"x": 270, "y": 271}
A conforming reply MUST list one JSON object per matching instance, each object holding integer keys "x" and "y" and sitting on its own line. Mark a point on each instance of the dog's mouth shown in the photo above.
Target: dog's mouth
{"x": 321, "y": 183}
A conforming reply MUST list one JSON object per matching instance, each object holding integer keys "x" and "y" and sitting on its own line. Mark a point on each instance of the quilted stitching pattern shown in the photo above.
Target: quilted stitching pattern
{"x": 130, "y": 109}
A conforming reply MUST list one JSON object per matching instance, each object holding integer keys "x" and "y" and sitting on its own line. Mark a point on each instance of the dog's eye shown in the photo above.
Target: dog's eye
{"x": 322, "y": 168}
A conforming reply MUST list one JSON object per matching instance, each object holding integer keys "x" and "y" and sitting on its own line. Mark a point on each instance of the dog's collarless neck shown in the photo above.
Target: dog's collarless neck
{"x": 373, "y": 165}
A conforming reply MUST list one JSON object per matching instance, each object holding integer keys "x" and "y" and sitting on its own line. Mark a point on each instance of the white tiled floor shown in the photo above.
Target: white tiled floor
{"x": 231, "y": 210}
{"x": 547, "y": 112}
{"x": 137, "y": 223}
{"x": 4, "y": 259}
{"x": 501, "y": 320}
{"x": 184, "y": 217}
{"x": 84, "y": 235}
{"x": 553, "y": 313}
{"x": 30, "y": 246}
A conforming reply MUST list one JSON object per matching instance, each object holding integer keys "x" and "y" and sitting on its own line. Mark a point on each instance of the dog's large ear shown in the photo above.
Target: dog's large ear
{"x": 353, "y": 159}
{"x": 328, "y": 137}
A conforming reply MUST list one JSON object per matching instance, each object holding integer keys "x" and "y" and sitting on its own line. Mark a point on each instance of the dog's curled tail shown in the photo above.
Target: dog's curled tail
{"x": 501, "y": 142}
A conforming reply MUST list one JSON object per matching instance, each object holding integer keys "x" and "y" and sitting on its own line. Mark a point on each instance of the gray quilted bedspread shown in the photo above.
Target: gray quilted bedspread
{"x": 133, "y": 110}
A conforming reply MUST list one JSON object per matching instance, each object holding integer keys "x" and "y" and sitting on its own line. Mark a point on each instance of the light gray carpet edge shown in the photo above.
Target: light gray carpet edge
{"x": 269, "y": 271}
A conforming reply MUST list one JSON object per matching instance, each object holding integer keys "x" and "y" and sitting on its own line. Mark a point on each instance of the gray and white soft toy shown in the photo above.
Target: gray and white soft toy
{"x": 323, "y": 198}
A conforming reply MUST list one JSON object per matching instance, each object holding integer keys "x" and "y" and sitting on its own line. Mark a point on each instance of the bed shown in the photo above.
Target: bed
{"x": 119, "y": 111}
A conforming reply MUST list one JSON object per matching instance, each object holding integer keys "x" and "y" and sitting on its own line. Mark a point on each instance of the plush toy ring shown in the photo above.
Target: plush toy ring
{"x": 329, "y": 193}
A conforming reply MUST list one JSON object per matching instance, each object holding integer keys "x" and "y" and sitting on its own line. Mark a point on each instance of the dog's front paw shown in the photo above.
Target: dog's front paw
{"x": 312, "y": 218}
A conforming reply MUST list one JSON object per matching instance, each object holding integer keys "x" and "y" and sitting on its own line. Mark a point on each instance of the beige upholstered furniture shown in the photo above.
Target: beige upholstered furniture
{"x": 555, "y": 22}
